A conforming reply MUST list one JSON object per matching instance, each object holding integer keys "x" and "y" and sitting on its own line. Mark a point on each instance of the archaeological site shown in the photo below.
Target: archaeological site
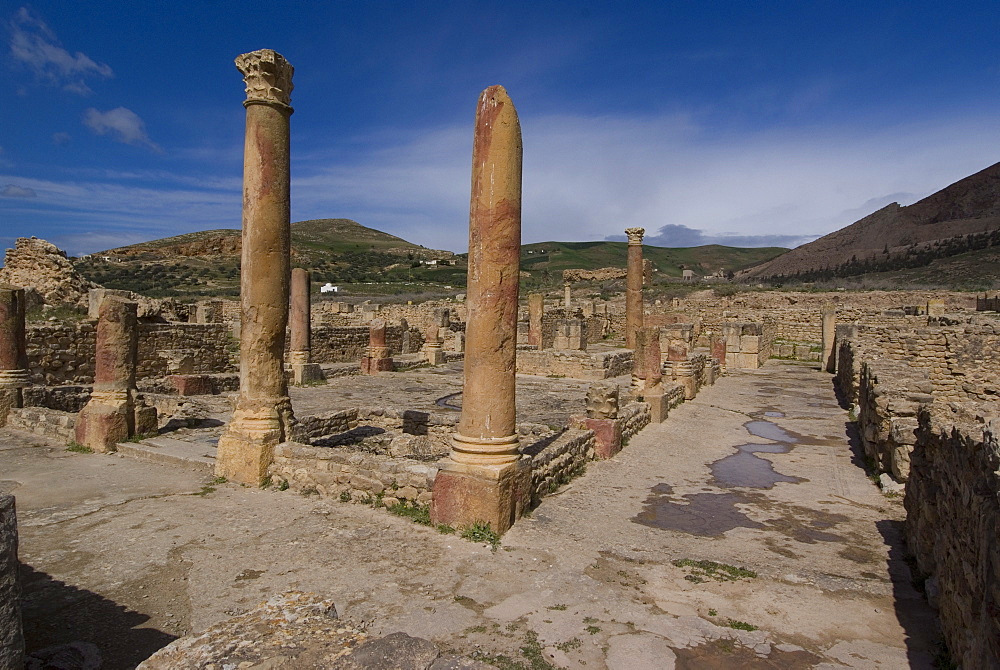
{"x": 625, "y": 467}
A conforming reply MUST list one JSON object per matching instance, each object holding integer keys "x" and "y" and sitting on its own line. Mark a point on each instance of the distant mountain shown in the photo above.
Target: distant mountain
{"x": 960, "y": 218}
{"x": 554, "y": 257}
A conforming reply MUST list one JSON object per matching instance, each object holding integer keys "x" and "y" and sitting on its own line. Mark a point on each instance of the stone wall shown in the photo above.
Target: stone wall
{"x": 574, "y": 364}
{"x": 558, "y": 459}
{"x": 345, "y": 344}
{"x": 52, "y": 423}
{"x": 953, "y": 512}
{"x": 61, "y": 353}
{"x": 11, "y": 632}
{"x": 748, "y": 345}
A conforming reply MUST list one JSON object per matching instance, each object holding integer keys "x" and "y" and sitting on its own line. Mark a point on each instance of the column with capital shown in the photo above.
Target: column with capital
{"x": 263, "y": 415}
{"x": 633, "y": 285}
{"x": 484, "y": 478}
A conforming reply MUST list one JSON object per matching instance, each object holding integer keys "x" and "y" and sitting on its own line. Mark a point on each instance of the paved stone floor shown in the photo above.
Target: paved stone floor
{"x": 757, "y": 472}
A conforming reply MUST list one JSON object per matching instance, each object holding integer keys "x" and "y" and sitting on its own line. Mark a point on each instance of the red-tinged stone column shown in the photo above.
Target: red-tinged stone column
{"x": 304, "y": 371}
{"x": 484, "y": 478}
{"x": 633, "y": 285}
{"x": 536, "y": 307}
{"x": 14, "y": 374}
{"x": 263, "y": 415}
{"x": 648, "y": 350}
{"x": 829, "y": 360}
{"x": 377, "y": 358}
{"x": 114, "y": 412}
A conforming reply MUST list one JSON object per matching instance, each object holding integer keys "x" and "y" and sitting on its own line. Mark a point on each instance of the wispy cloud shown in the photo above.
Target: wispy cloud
{"x": 61, "y": 139}
{"x": 15, "y": 191}
{"x": 36, "y": 46}
{"x": 123, "y": 125}
{"x": 677, "y": 235}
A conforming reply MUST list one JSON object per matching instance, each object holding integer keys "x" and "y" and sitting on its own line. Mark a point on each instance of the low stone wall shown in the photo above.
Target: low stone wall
{"x": 558, "y": 459}
{"x": 574, "y": 364}
{"x": 953, "y": 512}
{"x": 43, "y": 421}
{"x": 797, "y": 350}
{"x": 62, "y": 398}
{"x": 185, "y": 348}
{"x": 343, "y": 344}
{"x": 634, "y": 417}
{"x": 11, "y": 632}
{"x": 60, "y": 353}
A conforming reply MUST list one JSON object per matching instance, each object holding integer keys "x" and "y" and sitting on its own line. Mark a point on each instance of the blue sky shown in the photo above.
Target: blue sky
{"x": 747, "y": 123}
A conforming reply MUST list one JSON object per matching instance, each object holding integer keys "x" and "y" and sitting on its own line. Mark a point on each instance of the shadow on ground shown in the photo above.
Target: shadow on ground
{"x": 57, "y": 613}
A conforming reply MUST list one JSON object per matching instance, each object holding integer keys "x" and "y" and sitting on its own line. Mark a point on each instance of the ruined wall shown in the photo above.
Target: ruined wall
{"x": 748, "y": 345}
{"x": 574, "y": 364}
{"x": 889, "y": 396}
{"x": 200, "y": 348}
{"x": 558, "y": 459}
{"x": 345, "y": 344}
{"x": 60, "y": 353}
{"x": 952, "y": 514}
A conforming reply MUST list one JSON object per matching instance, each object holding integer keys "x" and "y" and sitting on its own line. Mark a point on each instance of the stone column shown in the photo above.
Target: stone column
{"x": 304, "y": 371}
{"x": 717, "y": 345}
{"x": 14, "y": 373}
{"x": 567, "y": 293}
{"x": 648, "y": 350}
{"x": 113, "y": 413}
{"x": 11, "y": 631}
{"x": 602, "y": 418}
{"x": 536, "y": 307}
{"x": 633, "y": 286}
{"x": 376, "y": 358}
{"x": 263, "y": 415}
{"x": 829, "y": 360}
{"x": 484, "y": 478}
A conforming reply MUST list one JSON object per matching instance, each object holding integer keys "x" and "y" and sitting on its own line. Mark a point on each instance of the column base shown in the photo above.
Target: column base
{"x": 306, "y": 373}
{"x": 435, "y": 355}
{"x": 246, "y": 448}
{"x": 494, "y": 494}
{"x": 107, "y": 419}
{"x": 607, "y": 435}
{"x": 373, "y": 366}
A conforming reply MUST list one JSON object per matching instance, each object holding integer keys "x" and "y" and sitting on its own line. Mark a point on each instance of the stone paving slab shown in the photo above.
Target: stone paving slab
{"x": 197, "y": 455}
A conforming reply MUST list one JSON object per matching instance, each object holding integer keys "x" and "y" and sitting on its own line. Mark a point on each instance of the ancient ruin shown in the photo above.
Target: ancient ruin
{"x": 304, "y": 371}
{"x": 633, "y": 290}
{"x": 14, "y": 374}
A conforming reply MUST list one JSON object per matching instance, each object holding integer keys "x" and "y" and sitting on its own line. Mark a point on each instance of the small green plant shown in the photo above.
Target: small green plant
{"x": 741, "y": 625}
{"x": 283, "y": 486}
{"x": 720, "y": 572}
{"x": 561, "y": 608}
{"x": 589, "y": 619}
{"x": 345, "y": 496}
{"x": 445, "y": 529}
{"x": 219, "y": 480}
{"x": 481, "y": 531}
{"x": 266, "y": 482}
{"x": 139, "y": 437}
{"x": 474, "y": 629}
{"x": 413, "y": 511}
{"x": 569, "y": 645}
{"x": 78, "y": 448}
{"x": 712, "y": 612}
{"x": 205, "y": 490}
{"x": 310, "y": 491}
{"x": 593, "y": 630}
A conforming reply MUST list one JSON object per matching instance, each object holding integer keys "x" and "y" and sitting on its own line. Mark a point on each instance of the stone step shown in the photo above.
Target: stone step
{"x": 195, "y": 455}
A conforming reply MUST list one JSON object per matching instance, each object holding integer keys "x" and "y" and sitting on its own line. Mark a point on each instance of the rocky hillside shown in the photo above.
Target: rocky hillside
{"x": 962, "y": 217}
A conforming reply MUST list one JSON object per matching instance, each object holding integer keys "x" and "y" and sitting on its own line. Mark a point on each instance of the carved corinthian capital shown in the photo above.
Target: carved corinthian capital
{"x": 635, "y": 235}
{"x": 268, "y": 77}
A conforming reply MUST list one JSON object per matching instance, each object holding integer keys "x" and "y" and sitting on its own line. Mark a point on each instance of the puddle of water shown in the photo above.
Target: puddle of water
{"x": 774, "y": 415}
{"x": 770, "y": 431}
{"x": 745, "y": 468}
{"x": 705, "y": 514}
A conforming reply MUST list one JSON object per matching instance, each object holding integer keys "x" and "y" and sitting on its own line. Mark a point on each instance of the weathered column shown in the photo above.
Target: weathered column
{"x": 648, "y": 350}
{"x": 376, "y": 358}
{"x": 14, "y": 374}
{"x": 536, "y": 307}
{"x": 829, "y": 360}
{"x": 300, "y": 331}
{"x": 567, "y": 294}
{"x": 633, "y": 286}
{"x": 112, "y": 414}
{"x": 484, "y": 478}
{"x": 263, "y": 413}
{"x": 11, "y": 631}
{"x": 717, "y": 345}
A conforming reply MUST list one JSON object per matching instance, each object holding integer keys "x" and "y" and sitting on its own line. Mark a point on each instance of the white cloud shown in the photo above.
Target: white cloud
{"x": 122, "y": 124}
{"x": 15, "y": 191}
{"x": 61, "y": 139}
{"x": 35, "y": 45}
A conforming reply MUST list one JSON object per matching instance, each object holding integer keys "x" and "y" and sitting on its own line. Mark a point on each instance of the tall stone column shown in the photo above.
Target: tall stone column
{"x": 567, "y": 297}
{"x": 633, "y": 286}
{"x": 112, "y": 414}
{"x": 648, "y": 351}
{"x": 484, "y": 478}
{"x": 14, "y": 374}
{"x": 304, "y": 371}
{"x": 263, "y": 414}
{"x": 536, "y": 307}
{"x": 829, "y": 360}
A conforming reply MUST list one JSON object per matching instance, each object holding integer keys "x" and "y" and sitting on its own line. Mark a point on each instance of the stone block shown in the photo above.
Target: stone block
{"x": 308, "y": 373}
{"x": 659, "y": 405}
{"x": 747, "y": 361}
{"x": 102, "y": 426}
{"x": 750, "y": 344}
{"x": 607, "y": 436}
{"x": 466, "y": 494}
{"x": 145, "y": 420}
{"x": 191, "y": 384}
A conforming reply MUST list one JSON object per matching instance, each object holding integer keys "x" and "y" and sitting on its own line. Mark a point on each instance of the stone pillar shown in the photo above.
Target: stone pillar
{"x": 648, "y": 350}
{"x": 14, "y": 373}
{"x": 377, "y": 358}
{"x": 633, "y": 286}
{"x": 536, "y": 307}
{"x": 304, "y": 371}
{"x": 484, "y": 478}
{"x": 602, "y": 418}
{"x": 11, "y": 631}
{"x": 829, "y": 360}
{"x": 114, "y": 412}
{"x": 433, "y": 346}
{"x": 263, "y": 415}
{"x": 717, "y": 345}
{"x": 567, "y": 293}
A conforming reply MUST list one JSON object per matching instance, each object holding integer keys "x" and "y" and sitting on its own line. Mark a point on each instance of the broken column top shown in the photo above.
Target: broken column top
{"x": 268, "y": 77}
